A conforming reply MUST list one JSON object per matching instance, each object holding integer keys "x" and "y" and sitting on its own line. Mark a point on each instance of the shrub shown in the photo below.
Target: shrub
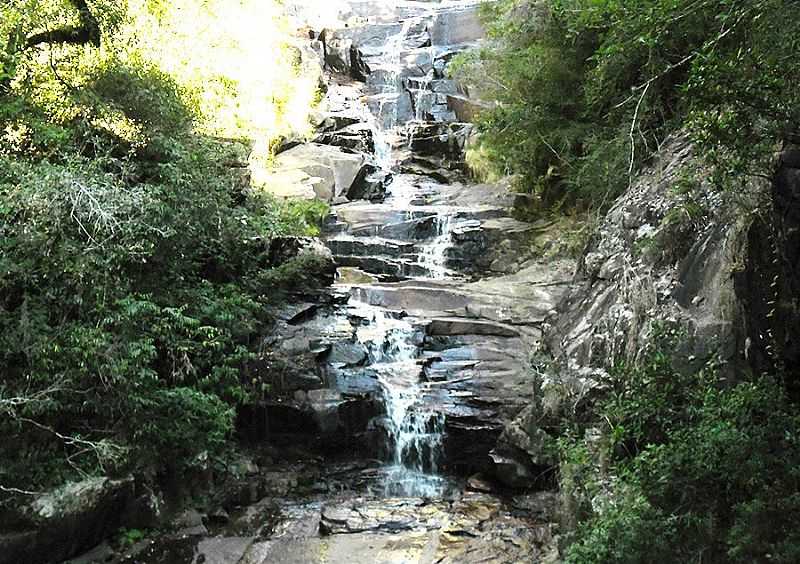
{"x": 134, "y": 264}
{"x": 588, "y": 90}
{"x": 701, "y": 472}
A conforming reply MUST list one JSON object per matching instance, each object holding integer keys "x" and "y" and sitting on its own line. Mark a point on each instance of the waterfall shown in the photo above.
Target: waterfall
{"x": 392, "y": 63}
{"x": 415, "y": 433}
{"x": 414, "y": 428}
{"x": 434, "y": 254}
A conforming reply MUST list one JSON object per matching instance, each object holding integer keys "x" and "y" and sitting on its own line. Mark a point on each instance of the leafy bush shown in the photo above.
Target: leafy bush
{"x": 134, "y": 258}
{"x": 700, "y": 472}
{"x": 588, "y": 89}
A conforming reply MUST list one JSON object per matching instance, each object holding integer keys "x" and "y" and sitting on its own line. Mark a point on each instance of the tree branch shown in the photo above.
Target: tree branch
{"x": 87, "y": 32}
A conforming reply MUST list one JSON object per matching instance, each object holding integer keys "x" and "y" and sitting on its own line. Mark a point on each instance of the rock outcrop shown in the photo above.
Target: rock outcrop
{"x": 61, "y": 523}
{"x": 718, "y": 267}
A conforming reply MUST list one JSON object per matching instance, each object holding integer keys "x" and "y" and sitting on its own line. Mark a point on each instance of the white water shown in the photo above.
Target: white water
{"x": 384, "y": 135}
{"x": 415, "y": 432}
{"x": 434, "y": 254}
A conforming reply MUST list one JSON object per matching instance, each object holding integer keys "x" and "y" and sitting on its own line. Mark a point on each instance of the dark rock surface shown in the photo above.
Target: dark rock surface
{"x": 66, "y": 521}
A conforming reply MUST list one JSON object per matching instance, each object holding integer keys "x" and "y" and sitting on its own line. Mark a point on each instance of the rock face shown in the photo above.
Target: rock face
{"x": 58, "y": 524}
{"x": 769, "y": 284}
{"x": 320, "y": 171}
{"x": 660, "y": 260}
{"x": 654, "y": 259}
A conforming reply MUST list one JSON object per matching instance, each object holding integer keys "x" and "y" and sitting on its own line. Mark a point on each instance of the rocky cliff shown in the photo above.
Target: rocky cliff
{"x": 720, "y": 267}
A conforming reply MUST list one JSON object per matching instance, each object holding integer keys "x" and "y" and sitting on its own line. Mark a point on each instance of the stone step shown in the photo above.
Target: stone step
{"x": 410, "y": 230}
{"x": 369, "y": 246}
{"x": 398, "y": 268}
{"x": 362, "y": 214}
{"x": 449, "y": 326}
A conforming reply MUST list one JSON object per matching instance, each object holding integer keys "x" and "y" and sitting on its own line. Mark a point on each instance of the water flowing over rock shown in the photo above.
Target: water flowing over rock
{"x": 447, "y": 353}
{"x": 430, "y": 353}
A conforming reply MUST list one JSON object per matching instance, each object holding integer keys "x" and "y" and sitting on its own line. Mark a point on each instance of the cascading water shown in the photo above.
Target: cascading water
{"x": 414, "y": 433}
{"x": 385, "y": 122}
{"x": 434, "y": 254}
{"x": 415, "y": 430}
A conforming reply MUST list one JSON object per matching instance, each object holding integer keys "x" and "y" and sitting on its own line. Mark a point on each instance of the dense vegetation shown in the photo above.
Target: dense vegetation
{"x": 692, "y": 469}
{"x": 589, "y": 89}
{"x": 134, "y": 269}
{"x": 666, "y": 466}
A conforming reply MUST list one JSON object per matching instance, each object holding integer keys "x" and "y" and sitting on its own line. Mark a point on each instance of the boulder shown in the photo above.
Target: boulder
{"x": 479, "y": 483}
{"x": 511, "y": 471}
{"x": 440, "y": 139}
{"x": 67, "y": 521}
{"x": 456, "y": 26}
{"x": 189, "y": 522}
{"x": 356, "y": 137}
{"x": 222, "y": 550}
{"x": 347, "y": 353}
{"x": 328, "y": 171}
{"x": 370, "y": 185}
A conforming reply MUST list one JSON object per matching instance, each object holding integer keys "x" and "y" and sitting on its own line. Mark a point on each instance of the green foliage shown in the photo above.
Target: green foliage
{"x": 631, "y": 530}
{"x": 135, "y": 273}
{"x": 700, "y": 471}
{"x": 589, "y": 89}
{"x": 143, "y": 94}
{"x": 128, "y": 537}
{"x": 181, "y": 421}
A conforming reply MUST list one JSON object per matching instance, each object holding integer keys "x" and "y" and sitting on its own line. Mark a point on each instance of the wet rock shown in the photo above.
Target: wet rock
{"x": 258, "y": 519}
{"x": 459, "y": 326}
{"x": 511, "y": 471}
{"x": 473, "y": 529}
{"x": 222, "y": 550}
{"x": 398, "y": 269}
{"x": 347, "y": 353}
{"x": 354, "y": 137}
{"x": 190, "y": 523}
{"x": 286, "y": 372}
{"x": 440, "y": 139}
{"x": 359, "y": 69}
{"x": 324, "y": 405}
{"x": 356, "y": 247}
{"x": 369, "y": 185}
{"x": 439, "y": 175}
{"x": 479, "y": 483}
